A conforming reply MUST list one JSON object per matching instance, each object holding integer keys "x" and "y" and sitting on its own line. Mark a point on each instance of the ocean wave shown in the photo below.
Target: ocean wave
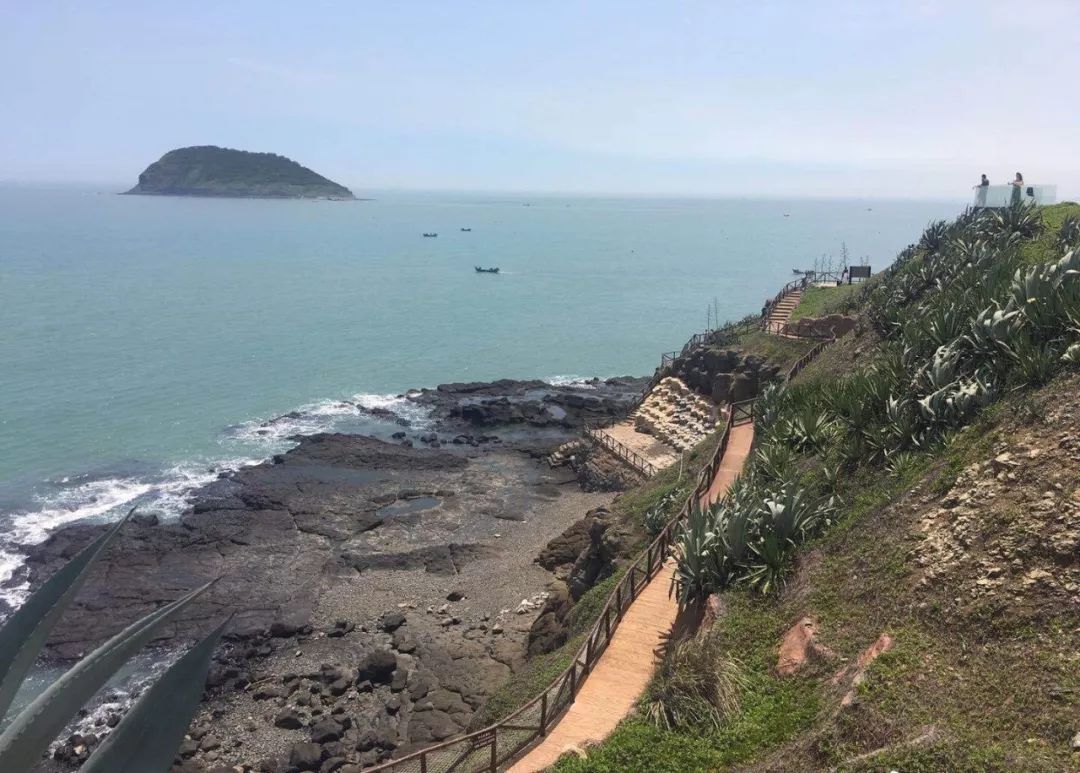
{"x": 332, "y": 415}
{"x": 102, "y": 500}
{"x": 166, "y": 493}
{"x": 417, "y": 415}
{"x": 307, "y": 420}
{"x": 580, "y": 382}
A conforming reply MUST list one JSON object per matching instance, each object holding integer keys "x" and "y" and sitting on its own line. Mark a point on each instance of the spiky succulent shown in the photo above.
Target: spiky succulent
{"x": 146, "y": 739}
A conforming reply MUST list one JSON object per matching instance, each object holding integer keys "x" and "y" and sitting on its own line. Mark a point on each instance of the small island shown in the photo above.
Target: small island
{"x": 207, "y": 170}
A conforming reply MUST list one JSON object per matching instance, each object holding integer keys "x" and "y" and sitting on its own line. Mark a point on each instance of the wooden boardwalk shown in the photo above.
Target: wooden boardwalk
{"x": 626, "y": 666}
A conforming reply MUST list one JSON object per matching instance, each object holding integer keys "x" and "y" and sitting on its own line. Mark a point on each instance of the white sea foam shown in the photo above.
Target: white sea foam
{"x": 166, "y": 495}
{"x": 106, "y": 499}
{"x": 307, "y": 420}
{"x": 418, "y": 415}
{"x": 328, "y": 416}
{"x": 581, "y": 382}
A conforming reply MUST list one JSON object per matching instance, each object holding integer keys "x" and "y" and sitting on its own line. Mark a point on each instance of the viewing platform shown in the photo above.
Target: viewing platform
{"x": 999, "y": 196}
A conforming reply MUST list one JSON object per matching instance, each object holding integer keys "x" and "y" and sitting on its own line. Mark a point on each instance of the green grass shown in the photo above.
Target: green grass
{"x": 772, "y": 710}
{"x": 821, "y": 301}
{"x": 782, "y": 352}
{"x": 985, "y": 688}
{"x": 1044, "y": 249}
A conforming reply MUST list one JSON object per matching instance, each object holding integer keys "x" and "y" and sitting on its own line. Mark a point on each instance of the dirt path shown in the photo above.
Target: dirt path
{"x": 623, "y": 671}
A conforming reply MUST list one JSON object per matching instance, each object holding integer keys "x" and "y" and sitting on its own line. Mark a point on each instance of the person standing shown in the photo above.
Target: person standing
{"x": 982, "y": 188}
{"x": 1017, "y": 185}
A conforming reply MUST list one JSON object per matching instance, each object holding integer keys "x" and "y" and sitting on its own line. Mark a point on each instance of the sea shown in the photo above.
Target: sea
{"x": 148, "y": 344}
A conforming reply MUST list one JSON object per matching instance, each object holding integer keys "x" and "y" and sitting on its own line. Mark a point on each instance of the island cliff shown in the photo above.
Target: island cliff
{"x": 207, "y": 170}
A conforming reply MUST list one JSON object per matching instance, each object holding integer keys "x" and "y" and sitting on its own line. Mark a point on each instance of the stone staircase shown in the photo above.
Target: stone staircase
{"x": 780, "y": 313}
{"x": 670, "y": 420}
{"x": 676, "y": 415}
{"x": 563, "y": 454}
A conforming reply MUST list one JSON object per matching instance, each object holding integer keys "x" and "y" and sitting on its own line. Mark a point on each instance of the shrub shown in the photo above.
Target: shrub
{"x": 698, "y": 686}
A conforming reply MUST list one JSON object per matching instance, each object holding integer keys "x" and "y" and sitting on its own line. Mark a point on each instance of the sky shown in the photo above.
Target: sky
{"x": 828, "y": 98}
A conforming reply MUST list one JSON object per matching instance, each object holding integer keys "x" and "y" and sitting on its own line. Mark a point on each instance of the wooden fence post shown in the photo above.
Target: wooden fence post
{"x": 543, "y": 714}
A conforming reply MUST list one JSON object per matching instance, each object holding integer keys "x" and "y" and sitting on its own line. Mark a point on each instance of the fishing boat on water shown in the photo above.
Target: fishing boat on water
{"x": 492, "y": 270}
{"x": 430, "y": 236}
{"x": 466, "y": 230}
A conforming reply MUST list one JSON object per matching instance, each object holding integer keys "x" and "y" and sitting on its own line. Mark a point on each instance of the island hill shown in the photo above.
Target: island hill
{"x": 207, "y": 170}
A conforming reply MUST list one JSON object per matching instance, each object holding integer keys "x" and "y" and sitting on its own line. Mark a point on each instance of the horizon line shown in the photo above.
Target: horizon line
{"x": 365, "y": 193}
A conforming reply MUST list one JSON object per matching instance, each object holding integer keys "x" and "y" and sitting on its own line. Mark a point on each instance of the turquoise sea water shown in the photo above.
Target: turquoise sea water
{"x": 143, "y": 339}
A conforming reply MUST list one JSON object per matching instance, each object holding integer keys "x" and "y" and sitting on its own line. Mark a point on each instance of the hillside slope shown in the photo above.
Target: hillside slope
{"x": 912, "y": 535}
{"x": 208, "y": 170}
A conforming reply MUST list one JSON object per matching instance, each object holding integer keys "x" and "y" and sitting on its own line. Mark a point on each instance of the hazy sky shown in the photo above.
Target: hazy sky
{"x": 829, "y": 97}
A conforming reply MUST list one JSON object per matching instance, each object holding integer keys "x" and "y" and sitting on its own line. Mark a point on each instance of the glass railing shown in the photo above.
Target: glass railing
{"x": 1005, "y": 195}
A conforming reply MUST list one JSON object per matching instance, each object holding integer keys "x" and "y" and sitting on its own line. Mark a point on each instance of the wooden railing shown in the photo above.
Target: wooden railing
{"x": 484, "y": 751}
{"x": 792, "y": 330}
{"x": 696, "y": 340}
{"x": 627, "y": 454}
{"x": 807, "y": 358}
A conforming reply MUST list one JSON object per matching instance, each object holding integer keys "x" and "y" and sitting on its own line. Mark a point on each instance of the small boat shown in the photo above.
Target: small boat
{"x": 430, "y": 236}
{"x": 493, "y": 270}
{"x": 466, "y": 230}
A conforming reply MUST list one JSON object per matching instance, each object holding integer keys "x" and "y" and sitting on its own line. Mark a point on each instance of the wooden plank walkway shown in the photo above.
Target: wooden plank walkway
{"x": 620, "y": 676}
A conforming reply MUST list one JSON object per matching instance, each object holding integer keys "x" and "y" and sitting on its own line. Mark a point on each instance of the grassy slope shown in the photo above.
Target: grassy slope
{"x": 778, "y": 351}
{"x": 1044, "y": 248}
{"x": 1002, "y": 693}
{"x": 997, "y": 676}
{"x": 820, "y": 301}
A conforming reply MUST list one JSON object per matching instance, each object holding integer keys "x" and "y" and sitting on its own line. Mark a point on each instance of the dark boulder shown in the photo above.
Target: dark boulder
{"x": 378, "y": 667}
{"x": 305, "y": 756}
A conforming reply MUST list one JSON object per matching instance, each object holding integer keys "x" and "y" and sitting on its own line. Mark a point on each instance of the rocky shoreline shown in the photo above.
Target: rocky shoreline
{"x": 381, "y": 589}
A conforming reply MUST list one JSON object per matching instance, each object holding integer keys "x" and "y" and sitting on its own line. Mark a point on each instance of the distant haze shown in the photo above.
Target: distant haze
{"x": 831, "y": 98}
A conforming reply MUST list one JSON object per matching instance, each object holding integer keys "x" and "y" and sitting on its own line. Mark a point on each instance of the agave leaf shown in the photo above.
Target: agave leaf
{"x": 147, "y": 739}
{"x": 25, "y": 632}
{"x": 36, "y": 726}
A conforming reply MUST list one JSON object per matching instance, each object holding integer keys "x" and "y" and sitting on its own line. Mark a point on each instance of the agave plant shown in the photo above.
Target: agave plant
{"x": 767, "y": 573}
{"x": 657, "y": 517}
{"x": 953, "y": 405}
{"x": 1023, "y": 219}
{"x": 1044, "y": 295}
{"x": 856, "y": 401}
{"x": 774, "y": 460}
{"x": 147, "y": 738}
{"x": 934, "y": 237}
{"x": 807, "y": 428}
{"x": 1035, "y": 363}
{"x": 991, "y": 332}
{"x": 692, "y": 580}
{"x": 1069, "y": 234}
{"x": 941, "y": 371}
